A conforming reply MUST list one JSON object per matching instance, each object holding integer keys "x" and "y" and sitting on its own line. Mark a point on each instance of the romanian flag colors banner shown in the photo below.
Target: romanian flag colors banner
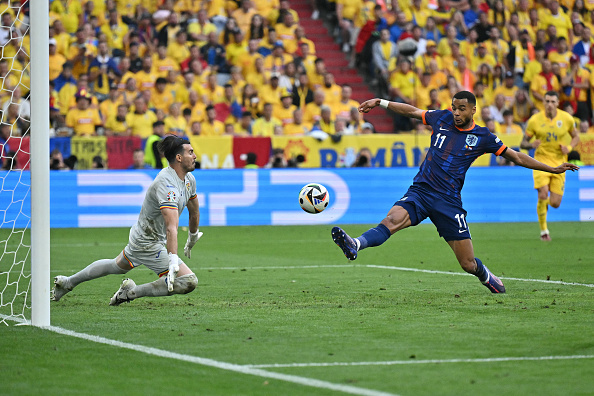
{"x": 86, "y": 148}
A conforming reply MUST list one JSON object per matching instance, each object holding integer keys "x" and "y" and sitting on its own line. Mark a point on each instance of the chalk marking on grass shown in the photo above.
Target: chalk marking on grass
{"x": 311, "y": 382}
{"x": 467, "y": 274}
{"x": 426, "y": 271}
{"x": 430, "y": 361}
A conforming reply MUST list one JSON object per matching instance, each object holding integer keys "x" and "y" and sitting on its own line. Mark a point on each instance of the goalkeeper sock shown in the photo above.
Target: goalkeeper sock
{"x": 541, "y": 209}
{"x": 182, "y": 285}
{"x": 96, "y": 270}
{"x": 374, "y": 236}
{"x": 481, "y": 271}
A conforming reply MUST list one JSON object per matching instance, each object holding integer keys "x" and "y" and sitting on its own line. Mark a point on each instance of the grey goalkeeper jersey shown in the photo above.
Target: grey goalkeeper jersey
{"x": 166, "y": 191}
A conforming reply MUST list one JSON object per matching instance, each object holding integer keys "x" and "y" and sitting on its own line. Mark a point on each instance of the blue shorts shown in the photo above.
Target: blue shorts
{"x": 444, "y": 211}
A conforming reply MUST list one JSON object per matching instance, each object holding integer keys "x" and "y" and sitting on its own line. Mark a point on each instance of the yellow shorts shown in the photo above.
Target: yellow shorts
{"x": 555, "y": 182}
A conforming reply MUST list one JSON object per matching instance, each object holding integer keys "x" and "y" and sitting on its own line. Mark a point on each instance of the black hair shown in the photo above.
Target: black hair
{"x": 469, "y": 96}
{"x": 573, "y": 156}
{"x": 552, "y": 93}
{"x": 171, "y": 146}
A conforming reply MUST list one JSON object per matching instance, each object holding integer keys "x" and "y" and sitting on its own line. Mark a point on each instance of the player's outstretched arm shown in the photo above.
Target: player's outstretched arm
{"x": 528, "y": 162}
{"x": 171, "y": 218}
{"x": 400, "y": 108}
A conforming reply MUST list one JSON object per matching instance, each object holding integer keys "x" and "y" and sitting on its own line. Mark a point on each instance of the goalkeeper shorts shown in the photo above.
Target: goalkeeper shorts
{"x": 156, "y": 259}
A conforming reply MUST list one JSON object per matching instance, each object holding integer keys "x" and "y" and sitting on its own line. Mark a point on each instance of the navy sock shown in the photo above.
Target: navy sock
{"x": 374, "y": 236}
{"x": 481, "y": 270}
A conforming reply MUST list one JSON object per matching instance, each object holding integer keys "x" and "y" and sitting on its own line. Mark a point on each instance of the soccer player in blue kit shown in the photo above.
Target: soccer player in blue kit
{"x": 456, "y": 142}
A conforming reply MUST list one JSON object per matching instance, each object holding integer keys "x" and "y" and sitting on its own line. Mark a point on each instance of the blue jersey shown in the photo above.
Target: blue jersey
{"x": 452, "y": 151}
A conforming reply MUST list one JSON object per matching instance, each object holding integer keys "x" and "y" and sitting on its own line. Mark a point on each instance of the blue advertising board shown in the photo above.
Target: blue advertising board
{"x": 269, "y": 196}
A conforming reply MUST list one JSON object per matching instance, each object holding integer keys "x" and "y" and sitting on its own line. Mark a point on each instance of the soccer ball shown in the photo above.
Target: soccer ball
{"x": 314, "y": 198}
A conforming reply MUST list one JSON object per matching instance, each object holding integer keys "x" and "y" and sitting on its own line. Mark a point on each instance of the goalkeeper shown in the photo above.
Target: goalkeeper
{"x": 153, "y": 239}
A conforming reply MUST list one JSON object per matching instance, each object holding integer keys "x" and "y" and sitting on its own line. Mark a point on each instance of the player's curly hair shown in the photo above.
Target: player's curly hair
{"x": 469, "y": 96}
{"x": 171, "y": 146}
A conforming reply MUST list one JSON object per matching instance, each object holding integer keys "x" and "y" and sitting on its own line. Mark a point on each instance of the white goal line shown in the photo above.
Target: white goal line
{"x": 242, "y": 369}
{"x": 429, "y": 361}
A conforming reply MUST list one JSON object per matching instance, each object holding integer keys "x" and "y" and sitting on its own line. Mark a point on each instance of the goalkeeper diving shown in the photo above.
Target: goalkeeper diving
{"x": 153, "y": 239}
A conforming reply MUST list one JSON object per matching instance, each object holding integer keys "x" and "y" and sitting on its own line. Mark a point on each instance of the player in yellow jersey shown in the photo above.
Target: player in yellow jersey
{"x": 554, "y": 136}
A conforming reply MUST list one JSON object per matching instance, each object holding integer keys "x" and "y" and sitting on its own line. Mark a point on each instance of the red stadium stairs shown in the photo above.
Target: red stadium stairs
{"x": 337, "y": 64}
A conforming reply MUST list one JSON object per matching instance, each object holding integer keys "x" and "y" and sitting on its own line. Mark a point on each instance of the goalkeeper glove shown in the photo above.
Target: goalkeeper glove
{"x": 192, "y": 239}
{"x": 173, "y": 269}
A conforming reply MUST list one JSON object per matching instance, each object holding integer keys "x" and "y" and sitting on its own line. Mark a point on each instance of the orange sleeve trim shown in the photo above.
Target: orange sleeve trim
{"x": 423, "y": 117}
{"x": 501, "y": 149}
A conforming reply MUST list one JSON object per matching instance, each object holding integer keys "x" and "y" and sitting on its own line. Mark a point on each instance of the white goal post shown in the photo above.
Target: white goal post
{"x": 24, "y": 157}
{"x": 40, "y": 174}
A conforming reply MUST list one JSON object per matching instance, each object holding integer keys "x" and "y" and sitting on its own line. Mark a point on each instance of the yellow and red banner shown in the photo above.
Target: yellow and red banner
{"x": 226, "y": 152}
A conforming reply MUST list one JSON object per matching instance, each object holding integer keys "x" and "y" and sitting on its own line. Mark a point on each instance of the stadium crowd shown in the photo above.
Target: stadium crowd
{"x": 201, "y": 68}
{"x": 247, "y": 68}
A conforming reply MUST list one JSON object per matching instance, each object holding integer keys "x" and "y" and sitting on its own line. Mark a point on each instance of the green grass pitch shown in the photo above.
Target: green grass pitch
{"x": 287, "y": 296}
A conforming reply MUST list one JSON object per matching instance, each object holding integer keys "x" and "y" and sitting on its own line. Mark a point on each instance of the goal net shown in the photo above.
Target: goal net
{"x": 15, "y": 154}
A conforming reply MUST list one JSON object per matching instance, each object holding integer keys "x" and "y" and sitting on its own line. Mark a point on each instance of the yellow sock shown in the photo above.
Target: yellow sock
{"x": 541, "y": 209}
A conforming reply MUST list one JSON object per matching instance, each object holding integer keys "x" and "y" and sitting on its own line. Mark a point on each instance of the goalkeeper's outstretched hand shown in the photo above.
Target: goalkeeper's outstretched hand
{"x": 173, "y": 270}
{"x": 192, "y": 239}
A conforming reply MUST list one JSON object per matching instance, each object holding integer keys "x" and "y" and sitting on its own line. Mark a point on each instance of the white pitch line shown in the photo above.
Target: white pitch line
{"x": 311, "y": 382}
{"x": 431, "y": 361}
{"x": 467, "y": 274}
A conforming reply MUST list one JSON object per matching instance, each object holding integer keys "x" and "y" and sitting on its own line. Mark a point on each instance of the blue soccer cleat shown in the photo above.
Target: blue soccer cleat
{"x": 345, "y": 242}
{"x": 493, "y": 283}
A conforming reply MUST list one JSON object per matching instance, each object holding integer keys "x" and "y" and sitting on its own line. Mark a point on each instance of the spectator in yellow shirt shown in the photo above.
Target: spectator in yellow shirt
{"x": 297, "y": 126}
{"x": 278, "y": 59}
{"x": 162, "y": 63}
{"x": 342, "y": 109}
{"x": 56, "y": 60}
{"x": 284, "y": 112}
{"x": 332, "y": 92}
{"x": 313, "y": 110}
{"x": 115, "y": 31}
{"x": 244, "y": 14}
{"x": 508, "y": 89}
{"x": 508, "y": 126}
{"x": 211, "y": 126}
{"x": 140, "y": 122}
{"x": 82, "y": 119}
{"x": 286, "y": 32}
{"x": 175, "y": 123}
{"x": 162, "y": 97}
{"x": 146, "y": 77}
{"x": 178, "y": 50}
{"x": 402, "y": 82}
{"x": 265, "y": 125}
{"x": 116, "y": 123}
{"x": 214, "y": 92}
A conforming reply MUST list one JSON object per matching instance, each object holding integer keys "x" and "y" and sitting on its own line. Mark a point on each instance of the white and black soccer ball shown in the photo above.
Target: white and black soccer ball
{"x": 314, "y": 198}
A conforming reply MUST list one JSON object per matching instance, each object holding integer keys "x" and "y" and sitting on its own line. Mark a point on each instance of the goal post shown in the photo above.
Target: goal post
{"x": 40, "y": 173}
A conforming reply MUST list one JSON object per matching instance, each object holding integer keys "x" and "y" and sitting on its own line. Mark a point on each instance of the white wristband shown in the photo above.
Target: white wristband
{"x": 384, "y": 103}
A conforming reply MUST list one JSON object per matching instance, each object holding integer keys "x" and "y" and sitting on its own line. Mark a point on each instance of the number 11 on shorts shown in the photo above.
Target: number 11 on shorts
{"x": 461, "y": 220}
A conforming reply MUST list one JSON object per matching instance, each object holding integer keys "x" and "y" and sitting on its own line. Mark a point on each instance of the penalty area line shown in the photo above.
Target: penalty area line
{"x": 430, "y": 361}
{"x": 466, "y": 274}
{"x": 242, "y": 369}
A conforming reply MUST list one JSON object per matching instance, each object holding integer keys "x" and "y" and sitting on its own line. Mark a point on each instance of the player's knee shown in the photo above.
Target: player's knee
{"x": 185, "y": 284}
{"x": 555, "y": 204}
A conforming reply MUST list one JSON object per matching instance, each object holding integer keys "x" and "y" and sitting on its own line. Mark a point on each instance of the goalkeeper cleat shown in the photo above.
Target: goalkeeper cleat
{"x": 493, "y": 283}
{"x": 345, "y": 242}
{"x": 123, "y": 294}
{"x": 61, "y": 287}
